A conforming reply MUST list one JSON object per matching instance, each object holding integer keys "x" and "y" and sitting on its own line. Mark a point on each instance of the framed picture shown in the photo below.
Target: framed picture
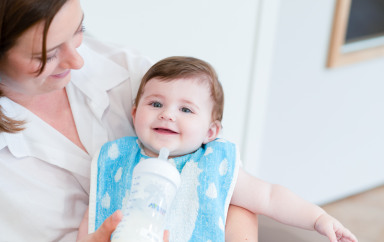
{"x": 358, "y": 32}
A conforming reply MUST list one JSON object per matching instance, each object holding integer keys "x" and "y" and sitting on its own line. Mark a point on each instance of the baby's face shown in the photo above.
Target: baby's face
{"x": 175, "y": 114}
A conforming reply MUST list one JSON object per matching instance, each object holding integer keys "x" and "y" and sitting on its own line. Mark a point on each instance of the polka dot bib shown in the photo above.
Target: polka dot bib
{"x": 199, "y": 210}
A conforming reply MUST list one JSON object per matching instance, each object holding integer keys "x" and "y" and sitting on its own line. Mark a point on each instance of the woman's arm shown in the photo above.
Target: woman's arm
{"x": 242, "y": 225}
{"x": 83, "y": 228}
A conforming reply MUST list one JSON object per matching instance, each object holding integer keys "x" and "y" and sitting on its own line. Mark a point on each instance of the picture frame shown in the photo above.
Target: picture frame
{"x": 356, "y": 37}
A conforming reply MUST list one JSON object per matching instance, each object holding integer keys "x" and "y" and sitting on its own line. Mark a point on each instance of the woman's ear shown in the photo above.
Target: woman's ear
{"x": 213, "y": 131}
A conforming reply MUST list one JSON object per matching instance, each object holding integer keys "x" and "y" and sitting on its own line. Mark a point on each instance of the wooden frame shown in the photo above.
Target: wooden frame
{"x": 338, "y": 57}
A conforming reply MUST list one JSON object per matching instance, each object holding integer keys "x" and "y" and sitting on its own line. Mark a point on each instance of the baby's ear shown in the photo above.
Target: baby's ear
{"x": 133, "y": 112}
{"x": 213, "y": 131}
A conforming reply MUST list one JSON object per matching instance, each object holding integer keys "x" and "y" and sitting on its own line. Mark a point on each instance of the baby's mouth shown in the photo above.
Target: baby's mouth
{"x": 164, "y": 131}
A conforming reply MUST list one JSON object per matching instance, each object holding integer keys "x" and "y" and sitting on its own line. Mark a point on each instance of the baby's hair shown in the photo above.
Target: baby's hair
{"x": 183, "y": 67}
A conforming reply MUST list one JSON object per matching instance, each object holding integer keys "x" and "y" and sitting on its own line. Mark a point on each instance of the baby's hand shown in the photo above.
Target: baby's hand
{"x": 333, "y": 229}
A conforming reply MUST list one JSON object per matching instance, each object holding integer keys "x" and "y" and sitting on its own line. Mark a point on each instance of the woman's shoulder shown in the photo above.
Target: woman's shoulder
{"x": 107, "y": 61}
{"x": 120, "y": 54}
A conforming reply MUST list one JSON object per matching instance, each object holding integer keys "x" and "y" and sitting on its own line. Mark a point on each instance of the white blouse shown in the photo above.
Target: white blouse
{"x": 44, "y": 177}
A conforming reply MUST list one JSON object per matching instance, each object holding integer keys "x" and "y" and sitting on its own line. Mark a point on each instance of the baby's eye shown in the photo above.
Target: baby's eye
{"x": 156, "y": 104}
{"x": 186, "y": 110}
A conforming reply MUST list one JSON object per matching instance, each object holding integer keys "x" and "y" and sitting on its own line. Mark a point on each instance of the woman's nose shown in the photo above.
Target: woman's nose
{"x": 71, "y": 59}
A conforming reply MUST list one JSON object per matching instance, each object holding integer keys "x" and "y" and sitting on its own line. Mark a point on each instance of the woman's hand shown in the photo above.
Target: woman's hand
{"x": 166, "y": 236}
{"x": 104, "y": 232}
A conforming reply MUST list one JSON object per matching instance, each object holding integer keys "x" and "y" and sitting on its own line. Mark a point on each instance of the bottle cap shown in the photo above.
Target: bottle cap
{"x": 160, "y": 166}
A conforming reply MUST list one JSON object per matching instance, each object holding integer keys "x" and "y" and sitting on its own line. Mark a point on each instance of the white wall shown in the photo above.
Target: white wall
{"x": 324, "y": 134}
{"x": 317, "y": 131}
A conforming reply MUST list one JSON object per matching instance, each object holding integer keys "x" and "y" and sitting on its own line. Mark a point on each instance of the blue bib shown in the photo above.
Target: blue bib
{"x": 199, "y": 210}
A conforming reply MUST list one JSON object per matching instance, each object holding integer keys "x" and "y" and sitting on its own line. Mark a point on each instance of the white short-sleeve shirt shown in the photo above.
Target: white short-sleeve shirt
{"x": 44, "y": 177}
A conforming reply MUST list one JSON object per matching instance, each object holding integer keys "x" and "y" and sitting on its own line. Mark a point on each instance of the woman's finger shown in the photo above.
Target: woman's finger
{"x": 105, "y": 231}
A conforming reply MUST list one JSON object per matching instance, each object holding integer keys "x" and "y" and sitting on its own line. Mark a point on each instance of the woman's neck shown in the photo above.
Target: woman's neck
{"x": 54, "y": 109}
{"x": 44, "y": 104}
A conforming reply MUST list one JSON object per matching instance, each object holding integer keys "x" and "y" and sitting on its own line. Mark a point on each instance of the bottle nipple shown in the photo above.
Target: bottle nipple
{"x": 163, "y": 154}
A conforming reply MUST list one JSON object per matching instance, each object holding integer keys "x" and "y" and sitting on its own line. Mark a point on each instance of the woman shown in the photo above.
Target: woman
{"x": 60, "y": 100}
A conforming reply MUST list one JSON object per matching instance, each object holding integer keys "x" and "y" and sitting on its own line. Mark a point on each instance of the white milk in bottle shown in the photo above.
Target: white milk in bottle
{"x": 154, "y": 185}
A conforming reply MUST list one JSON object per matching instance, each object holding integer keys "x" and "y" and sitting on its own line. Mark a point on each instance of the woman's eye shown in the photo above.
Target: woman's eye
{"x": 186, "y": 110}
{"x": 81, "y": 29}
{"x": 156, "y": 104}
{"x": 51, "y": 58}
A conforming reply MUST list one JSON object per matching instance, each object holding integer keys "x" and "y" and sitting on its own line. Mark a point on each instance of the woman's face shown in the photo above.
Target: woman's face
{"x": 19, "y": 68}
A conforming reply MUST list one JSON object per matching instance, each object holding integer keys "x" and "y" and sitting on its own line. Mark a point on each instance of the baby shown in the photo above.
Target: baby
{"x": 180, "y": 106}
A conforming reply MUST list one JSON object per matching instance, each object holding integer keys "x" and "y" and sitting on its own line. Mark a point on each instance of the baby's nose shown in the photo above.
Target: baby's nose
{"x": 167, "y": 115}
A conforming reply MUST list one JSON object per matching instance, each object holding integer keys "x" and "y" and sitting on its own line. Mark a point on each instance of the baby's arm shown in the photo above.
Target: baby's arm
{"x": 279, "y": 203}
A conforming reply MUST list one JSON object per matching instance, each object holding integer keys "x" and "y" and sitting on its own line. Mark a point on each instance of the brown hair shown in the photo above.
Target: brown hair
{"x": 17, "y": 16}
{"x": 175, "y": 67}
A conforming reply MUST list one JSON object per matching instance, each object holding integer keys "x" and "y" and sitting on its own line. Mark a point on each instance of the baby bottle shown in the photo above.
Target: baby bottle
{"x": 154, "y": 185}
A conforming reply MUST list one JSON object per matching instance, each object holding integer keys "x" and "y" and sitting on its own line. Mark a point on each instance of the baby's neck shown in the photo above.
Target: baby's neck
{"x": 155, "y": 153}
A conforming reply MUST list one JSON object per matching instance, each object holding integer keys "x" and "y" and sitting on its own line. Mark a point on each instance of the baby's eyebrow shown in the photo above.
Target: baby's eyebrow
{"x": 190, "y": 103}
{"x": 152, "y": 96}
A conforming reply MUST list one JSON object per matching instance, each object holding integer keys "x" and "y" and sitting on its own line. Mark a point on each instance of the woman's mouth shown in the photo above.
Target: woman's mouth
{"x": 61, "y": 75}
